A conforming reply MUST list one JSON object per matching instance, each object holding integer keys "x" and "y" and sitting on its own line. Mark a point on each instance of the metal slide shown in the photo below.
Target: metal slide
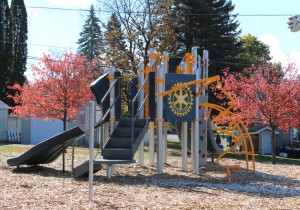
{"x": 48, "y": 150}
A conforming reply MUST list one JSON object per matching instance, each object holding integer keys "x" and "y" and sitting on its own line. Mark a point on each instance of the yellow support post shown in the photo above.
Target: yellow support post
{"x": 188, "y": 60}
{"x": 147, "y": 71}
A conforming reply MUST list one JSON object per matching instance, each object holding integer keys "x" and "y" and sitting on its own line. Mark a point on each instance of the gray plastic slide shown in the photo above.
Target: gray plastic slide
{"x": 212, "y": 146}
{"x": 48, "y": 150}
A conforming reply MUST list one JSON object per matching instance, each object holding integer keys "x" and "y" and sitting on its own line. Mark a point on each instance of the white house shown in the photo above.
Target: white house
{"x": 3, "y": 121}
{"x": 34, "y": 131}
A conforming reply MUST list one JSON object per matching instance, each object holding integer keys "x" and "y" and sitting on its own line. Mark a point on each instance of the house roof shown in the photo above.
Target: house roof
{"x": 3, "y": 105}
{"x": 260, "y": 128}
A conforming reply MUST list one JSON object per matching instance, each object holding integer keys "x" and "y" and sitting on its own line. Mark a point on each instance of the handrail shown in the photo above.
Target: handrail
{"x": 109, "y": 89}
{"x": 137, "y": 94}
{"x": 183, "y": 60}
{"x": 141, "y": 106}
{"x": 110, "y": 107}
{"x": 134, "y": 116}
{"x": 154, "y": 63}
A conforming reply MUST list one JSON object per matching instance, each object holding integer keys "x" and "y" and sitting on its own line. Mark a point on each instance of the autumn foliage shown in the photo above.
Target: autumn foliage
{"x": 265, "y": 94}
{"x": 60, "y": 86}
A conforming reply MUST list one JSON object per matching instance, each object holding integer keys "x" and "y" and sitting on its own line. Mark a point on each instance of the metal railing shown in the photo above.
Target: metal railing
{"x": 135, "y": 115}
{"x": 116, "y": 81}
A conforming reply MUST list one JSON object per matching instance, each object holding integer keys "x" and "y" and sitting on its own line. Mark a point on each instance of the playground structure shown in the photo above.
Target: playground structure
{"x": 156, "y": 97}
{"x": 180, "y": 100}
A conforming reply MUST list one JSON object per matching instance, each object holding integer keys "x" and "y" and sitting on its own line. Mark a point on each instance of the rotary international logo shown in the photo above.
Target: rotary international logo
{"x": 181, "y": 101}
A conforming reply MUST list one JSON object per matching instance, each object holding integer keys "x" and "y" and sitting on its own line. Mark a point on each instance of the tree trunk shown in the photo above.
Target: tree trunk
{"x": 273, "y": 145}
{"x": 65, "y": 120}
{"x": 65, "y": 125}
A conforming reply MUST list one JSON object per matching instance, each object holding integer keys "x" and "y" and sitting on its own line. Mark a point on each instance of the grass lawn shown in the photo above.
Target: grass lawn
{"x": 174, "y": 149}
{"x": 266, "y": 159}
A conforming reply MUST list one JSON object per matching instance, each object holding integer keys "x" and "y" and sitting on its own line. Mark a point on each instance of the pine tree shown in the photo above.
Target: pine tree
{"x": 206, "y": 24}
{"x": 5, "y": 48}
{"x": 19, "y": 40}
{"x": 115, "y": 46}
{"x": 91, "y": 40}
{"x": 117, "y": 54}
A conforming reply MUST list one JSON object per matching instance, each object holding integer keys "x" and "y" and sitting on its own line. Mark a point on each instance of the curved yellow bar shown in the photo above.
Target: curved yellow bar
{"x": 207, "y": 81}
{"x": 237, "y": 125}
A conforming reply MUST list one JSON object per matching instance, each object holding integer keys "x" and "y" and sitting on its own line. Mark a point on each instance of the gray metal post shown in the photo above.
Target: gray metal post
{"x": 184, "y": 133}
{"x": 91, "y": 146}
{"x": 141, "y": 113}
{"x": 152, "y": 124}
{"x": 196, "y": 71}
{"x": 165, "y": 64}
{"x": 112, "y": 97}
{"x": 203, "y": 126}
{"x": 159, "y": 124}
{"x": 112, "y": 120}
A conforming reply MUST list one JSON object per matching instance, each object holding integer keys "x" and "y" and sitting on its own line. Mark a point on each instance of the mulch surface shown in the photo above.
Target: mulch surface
{"x": 139, "y": 187}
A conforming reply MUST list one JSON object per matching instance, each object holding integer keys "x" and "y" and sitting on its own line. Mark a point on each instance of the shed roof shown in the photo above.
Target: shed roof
{"x": 260, "y": 128}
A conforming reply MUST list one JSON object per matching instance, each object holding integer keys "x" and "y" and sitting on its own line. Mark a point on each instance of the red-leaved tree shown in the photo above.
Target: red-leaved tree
{"x": 60, "y": 86}
{"x": 265, "y": 94}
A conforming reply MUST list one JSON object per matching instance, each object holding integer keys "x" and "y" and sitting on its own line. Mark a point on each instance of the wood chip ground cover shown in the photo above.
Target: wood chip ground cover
{"x": 136, "y": 187}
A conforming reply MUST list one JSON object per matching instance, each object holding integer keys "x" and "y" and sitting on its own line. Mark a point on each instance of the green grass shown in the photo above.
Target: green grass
{"x": 16, "y": 149}
{"x": 174, "y": 149}
{"x": 22, "y": 149}
{"x": 266, "y": 159}
{"x": 174, "y": 145}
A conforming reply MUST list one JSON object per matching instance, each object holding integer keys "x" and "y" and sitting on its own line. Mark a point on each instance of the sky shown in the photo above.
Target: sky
{"x": 58, "y": 30}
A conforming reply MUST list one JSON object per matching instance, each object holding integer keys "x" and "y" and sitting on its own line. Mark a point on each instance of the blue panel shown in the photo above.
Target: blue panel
{"x": 180, "y": 104}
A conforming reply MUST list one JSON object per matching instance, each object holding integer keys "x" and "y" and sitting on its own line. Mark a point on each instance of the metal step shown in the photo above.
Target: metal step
{"x": 117, "y": 154}
{"x": 125, "y": 132}
{"x": 138, "y": 123}
{"x": 124, "y": 143}
{"x": 119, "y": 145}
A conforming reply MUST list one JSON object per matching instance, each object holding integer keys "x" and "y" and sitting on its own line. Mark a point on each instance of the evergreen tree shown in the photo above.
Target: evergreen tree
{"x": 19, "y": 40}
{"x": 206, "y": 24}
{"x": 115, "y": 46}
{"x": 118, "y": 55}
{"x": 91, "y": 40}
{"x": 5, "y": 48}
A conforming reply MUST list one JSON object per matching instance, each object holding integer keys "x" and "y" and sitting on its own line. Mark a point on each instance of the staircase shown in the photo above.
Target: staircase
{"x": 121, "y": 145}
